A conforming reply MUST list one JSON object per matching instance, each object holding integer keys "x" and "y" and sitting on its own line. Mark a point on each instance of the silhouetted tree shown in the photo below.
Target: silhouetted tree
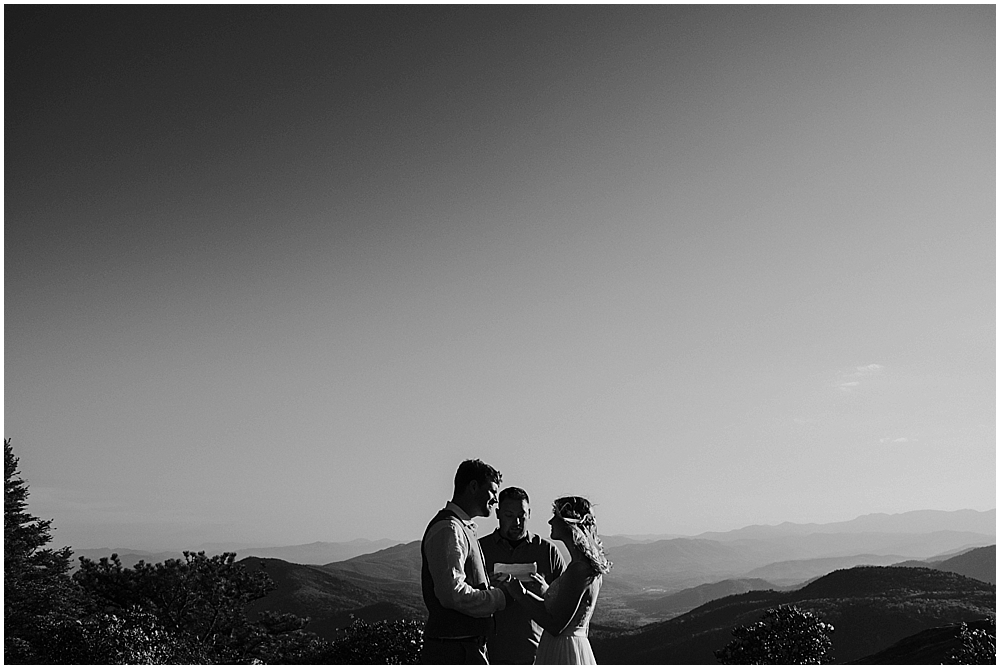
{"x": 783, "y": 635}
{"x": 190, "y": 611}
{"x": 382, "y": 642}
{"x": 41, "y": 605}
{"x": 976, "y": 646}
{"x": 200, "y": 605}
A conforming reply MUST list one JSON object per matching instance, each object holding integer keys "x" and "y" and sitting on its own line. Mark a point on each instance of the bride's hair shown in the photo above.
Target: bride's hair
{"x": 576, "y": 513}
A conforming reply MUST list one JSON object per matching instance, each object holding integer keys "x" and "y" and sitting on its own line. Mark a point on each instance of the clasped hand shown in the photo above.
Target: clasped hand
{"x": 509, "y": 583}
{"x": 516, "y": 587}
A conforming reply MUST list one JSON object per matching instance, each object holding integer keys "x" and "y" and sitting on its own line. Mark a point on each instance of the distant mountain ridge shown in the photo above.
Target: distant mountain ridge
{"x": 791, "y": 572}
{"x": 399, "y": 563}
{"x": 328, "y": 600}
{"x": 652, "y": 580}
{"x": 910, "y": 522}
{"x": 681, "y": 602}
{"x": 318, "y": 552}
{"x": 978, "y": 563}
{"x": 675, "y": 564}
{"x": 870, "y": 607}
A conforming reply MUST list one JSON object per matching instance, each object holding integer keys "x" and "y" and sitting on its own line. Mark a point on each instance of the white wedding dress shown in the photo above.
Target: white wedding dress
{"x": 572, "y": 646}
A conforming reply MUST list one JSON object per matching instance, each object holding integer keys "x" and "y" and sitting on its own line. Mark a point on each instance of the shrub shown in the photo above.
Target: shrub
{"x": 383, "y": 642}
{"x": 783, "y": 635}
{"x": 976, "y": 646}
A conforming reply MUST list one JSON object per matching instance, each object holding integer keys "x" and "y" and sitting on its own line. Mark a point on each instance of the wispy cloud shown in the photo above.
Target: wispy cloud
{"x": 850, "y": 379}
{"x": 897, "y": 440}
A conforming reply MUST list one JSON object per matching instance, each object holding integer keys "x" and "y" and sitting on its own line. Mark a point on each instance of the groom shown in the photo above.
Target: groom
{"x": 453, "y": 577}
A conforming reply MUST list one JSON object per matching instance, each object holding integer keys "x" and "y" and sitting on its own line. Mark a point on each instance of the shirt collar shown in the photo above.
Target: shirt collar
{"x": 460, "y": 512}
{"x": 529, "y": 537}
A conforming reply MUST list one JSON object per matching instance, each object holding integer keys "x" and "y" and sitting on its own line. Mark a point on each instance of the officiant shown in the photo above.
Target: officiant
{"x": 515, "y": 636}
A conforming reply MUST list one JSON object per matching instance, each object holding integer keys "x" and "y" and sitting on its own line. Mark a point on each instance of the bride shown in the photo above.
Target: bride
{"x": 566, "y": 606}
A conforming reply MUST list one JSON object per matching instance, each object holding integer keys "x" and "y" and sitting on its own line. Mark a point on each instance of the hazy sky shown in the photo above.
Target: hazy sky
{"x": 271, "y": 274}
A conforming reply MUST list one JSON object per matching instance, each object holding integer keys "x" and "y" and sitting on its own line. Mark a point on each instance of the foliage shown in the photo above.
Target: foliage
{"x": 199, "y": 603}
{"x": 190, "y": 611}
{"x": 383, "y": 642}
{"x": 783, "y": 635}
{"x": 976, "y": 646}
{"x": 132, "y": 636}
{"x": 41, "y": 604}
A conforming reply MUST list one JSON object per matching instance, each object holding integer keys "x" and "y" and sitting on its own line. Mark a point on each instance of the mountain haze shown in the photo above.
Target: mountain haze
{"x": 793, "y": 572}
{"x": 319, "y": 552}
{"x": 979, "y": 563}
{"x": 400, "y": 563}
{"x": 669, "y": 606}
{"x": 329, "y": 601}
{"x": 870, "y": 607}
{"x": 910, "y": 522}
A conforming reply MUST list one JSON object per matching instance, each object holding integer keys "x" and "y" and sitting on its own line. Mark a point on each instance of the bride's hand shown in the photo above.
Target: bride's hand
{"x": 537, "y": 584}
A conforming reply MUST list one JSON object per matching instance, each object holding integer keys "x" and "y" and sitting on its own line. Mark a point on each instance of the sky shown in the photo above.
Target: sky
{"x": 272, "y": 273}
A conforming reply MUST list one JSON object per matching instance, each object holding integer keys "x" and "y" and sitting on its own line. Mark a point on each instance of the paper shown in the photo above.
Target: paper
{"x": 522, "y": 571}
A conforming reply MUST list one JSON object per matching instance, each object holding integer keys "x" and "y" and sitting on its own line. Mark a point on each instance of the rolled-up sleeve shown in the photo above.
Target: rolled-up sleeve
{"x": 447, "y": 548}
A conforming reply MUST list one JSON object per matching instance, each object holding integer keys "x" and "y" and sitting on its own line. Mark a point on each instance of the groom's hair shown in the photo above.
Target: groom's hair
{"x": 514, "y": 493}
{"x": 475, "y": 470}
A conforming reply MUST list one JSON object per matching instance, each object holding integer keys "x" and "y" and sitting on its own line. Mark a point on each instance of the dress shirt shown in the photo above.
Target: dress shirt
{"x": 516, "y": 635}
{"x": 447, "y": 545}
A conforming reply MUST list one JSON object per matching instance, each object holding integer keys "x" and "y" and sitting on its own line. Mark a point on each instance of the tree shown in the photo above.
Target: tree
{"x": 200, "y": 605}
{"x": 975, "y": 646}
{"x": 41, "y": 605}
{"x": 783, "y": 635}
{"x": 132, "y": 636}
{"x": 383, "y": 642}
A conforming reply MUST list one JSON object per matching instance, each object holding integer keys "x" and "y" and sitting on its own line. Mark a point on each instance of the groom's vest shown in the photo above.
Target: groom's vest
{"x": 444, "y": 622}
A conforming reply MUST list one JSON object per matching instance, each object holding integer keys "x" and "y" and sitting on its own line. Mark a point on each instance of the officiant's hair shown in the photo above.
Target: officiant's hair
{"x": 513, "y": 493}
{"x": 475, "y": 470}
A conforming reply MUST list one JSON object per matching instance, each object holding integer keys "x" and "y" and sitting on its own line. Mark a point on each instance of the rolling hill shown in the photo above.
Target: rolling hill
{"x": 870, "y": 607}
{"x": 318, "y": 552}
{"x": 979, "y": 563}
{"x": 931, "y": 646}
{"x": 671, "y": 606}
{"x": 652, "y": 580}
{"x": 328, "y": 600}
{"x": 793, "y": 572}
{"x": 399, "y": 563}
{"x": 674, "y": 564}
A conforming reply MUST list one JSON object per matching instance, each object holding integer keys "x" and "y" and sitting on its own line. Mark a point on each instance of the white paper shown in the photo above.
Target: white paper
{"x": 520, "y": 570}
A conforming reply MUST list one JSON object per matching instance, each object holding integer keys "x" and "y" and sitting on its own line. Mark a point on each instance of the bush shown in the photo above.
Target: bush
{"x": 976, "y": 646}
{"x": 198, "y": 603}
{"x": 383, "y": 642}
{"x": 783, "y": 635}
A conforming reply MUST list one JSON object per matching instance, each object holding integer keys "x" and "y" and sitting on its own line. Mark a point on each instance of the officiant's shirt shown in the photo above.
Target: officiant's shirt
{"x": 515, "y": 637}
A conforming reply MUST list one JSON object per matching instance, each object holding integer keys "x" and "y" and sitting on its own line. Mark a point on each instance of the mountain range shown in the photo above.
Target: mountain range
{"x": 930, "y": 646}
{"x": 330, "y": 601}
{"x": 319, "y": 552}
{"x": 979, "y": 563}
{"x": 871, "y": 608}
{"x": 656, "y": 581}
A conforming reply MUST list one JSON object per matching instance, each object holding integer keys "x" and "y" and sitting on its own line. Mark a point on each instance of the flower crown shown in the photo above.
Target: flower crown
{"x": 566, "y": 513}
{"x": 585, "y": 536}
